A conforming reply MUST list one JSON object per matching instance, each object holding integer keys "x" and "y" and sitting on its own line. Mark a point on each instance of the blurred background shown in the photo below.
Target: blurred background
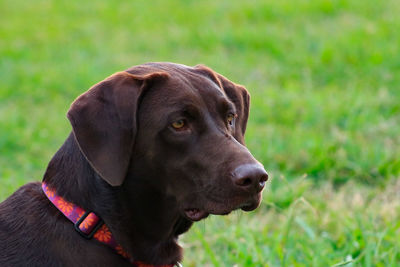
{"x": 324, "y": 78}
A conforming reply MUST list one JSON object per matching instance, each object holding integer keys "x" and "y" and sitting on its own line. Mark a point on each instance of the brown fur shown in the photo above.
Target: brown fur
{"x": 124, "y": 161}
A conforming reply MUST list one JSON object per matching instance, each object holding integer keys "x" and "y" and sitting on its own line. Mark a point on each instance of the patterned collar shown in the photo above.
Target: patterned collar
{"x": 89, "y": 225}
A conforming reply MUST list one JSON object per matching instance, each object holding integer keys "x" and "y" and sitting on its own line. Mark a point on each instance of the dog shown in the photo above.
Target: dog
{"x": 152, "y": 150}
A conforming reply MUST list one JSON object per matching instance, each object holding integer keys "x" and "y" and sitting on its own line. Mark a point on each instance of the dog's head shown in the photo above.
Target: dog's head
{"x": 180, "y": 128}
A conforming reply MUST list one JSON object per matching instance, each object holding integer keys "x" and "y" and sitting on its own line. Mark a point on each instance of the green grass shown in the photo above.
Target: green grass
{"x": 325, "y": 118}
{"x": 301, "y": 226}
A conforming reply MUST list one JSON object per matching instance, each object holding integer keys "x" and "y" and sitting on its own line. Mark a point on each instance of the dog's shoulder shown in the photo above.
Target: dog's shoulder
{"x": 34, "y": 233}
{"x": 19, "y": 240}
{"x": 27, "y": 200}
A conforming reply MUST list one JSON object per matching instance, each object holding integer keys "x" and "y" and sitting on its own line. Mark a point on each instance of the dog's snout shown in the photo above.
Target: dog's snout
{"x": 251, "y": 177}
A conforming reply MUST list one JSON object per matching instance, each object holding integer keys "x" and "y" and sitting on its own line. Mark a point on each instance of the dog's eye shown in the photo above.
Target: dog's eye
{"x": 179, "y": 124}
{"x": 230, "y": 119}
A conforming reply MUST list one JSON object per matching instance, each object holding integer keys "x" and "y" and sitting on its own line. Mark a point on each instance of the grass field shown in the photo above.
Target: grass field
{"x": 324, "y": 77}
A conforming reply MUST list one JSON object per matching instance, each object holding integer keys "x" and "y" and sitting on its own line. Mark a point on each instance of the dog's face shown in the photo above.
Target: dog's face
{"x": 191, "y": 132}
{"x": 184, "y": 125}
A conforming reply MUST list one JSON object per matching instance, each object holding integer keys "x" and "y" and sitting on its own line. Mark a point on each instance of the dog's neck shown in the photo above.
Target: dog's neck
{"x": 142, "y": 218}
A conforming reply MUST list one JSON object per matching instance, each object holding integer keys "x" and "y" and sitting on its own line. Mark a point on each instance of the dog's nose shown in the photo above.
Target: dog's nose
{"x": 251, "y": 177}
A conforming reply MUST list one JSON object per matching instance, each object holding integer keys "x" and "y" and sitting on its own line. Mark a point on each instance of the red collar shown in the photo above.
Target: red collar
{"x": 89, "y": 225}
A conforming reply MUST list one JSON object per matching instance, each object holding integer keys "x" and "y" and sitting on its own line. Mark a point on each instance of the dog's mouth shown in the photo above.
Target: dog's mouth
{"x": 197, "y": 214}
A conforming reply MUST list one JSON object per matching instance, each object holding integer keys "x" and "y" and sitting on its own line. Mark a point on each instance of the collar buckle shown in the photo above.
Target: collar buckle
{"x": 88, "y": 234}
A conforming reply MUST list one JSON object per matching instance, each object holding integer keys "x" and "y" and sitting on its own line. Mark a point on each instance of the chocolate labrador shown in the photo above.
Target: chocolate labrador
{"x": 152, "y": 149}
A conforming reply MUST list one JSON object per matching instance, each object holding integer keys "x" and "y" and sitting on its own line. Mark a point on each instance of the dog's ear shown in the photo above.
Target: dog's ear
{"x": 104, "y": 123}
{"x": 239, "y": 96}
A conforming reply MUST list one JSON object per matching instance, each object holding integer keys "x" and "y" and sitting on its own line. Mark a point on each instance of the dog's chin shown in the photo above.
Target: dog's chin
{"x": 250, "y": 206}
{"x": 196, "y": 214}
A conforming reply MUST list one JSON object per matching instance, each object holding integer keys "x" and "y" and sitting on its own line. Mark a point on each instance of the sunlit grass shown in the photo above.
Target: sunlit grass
{"x": 298, "y": 225}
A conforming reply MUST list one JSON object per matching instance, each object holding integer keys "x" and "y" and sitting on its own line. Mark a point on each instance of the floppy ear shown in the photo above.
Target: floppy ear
{"x": 236, "y": 93}
{"x": 103, "y": 121}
